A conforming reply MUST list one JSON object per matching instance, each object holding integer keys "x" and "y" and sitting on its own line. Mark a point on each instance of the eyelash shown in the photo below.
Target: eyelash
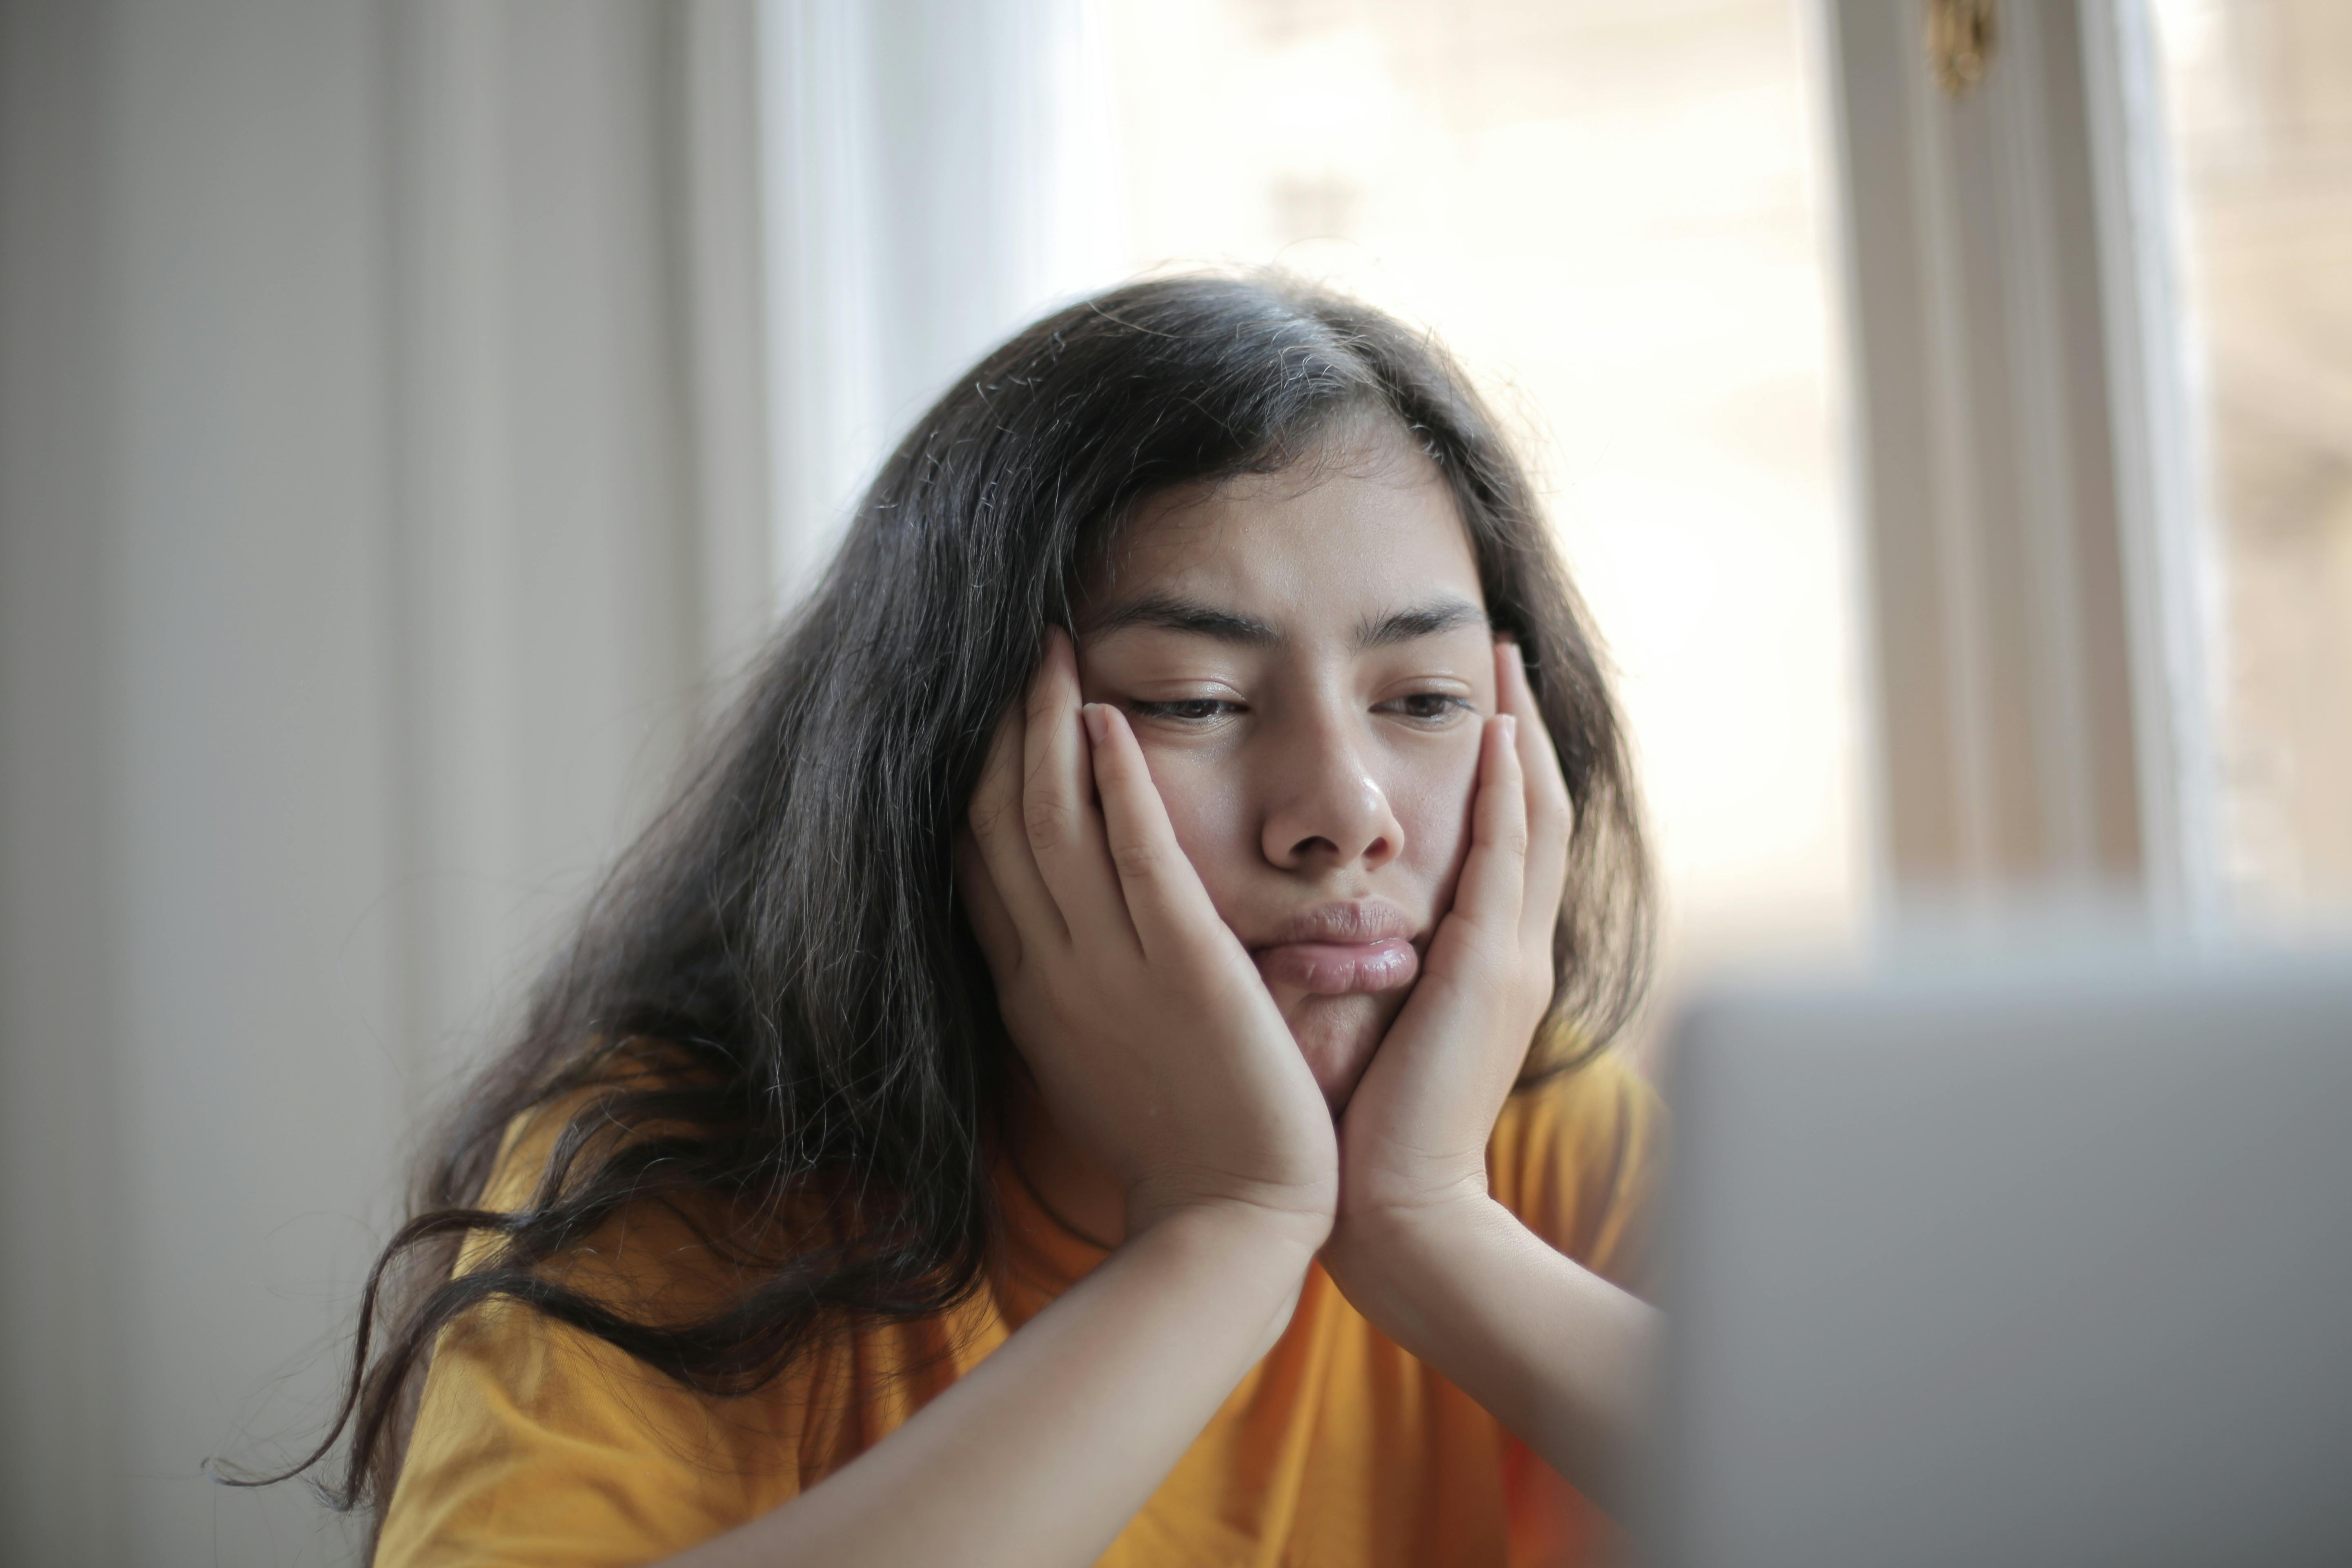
{"x": 1447, "y": 704}
{"x": 1176, "y": 710}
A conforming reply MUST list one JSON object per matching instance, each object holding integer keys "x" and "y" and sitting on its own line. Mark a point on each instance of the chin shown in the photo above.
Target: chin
{"x": 1337, "y": 1035}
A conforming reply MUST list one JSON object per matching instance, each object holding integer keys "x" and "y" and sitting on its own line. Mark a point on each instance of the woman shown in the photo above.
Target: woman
{"x": 1046, "y": 1088}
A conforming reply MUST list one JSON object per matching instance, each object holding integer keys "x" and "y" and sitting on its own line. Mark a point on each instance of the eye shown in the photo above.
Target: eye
{"x": 1187, "y": 710}
{"x": 1430, "y": 708}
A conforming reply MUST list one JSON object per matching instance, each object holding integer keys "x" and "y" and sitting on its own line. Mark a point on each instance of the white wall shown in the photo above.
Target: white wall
{"x": 378, "y": 493}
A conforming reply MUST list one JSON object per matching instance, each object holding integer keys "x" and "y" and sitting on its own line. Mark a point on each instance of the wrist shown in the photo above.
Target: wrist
{"x": 1273, "y": 1217}
{"x": 1257, "y": 1257}
{"x": 1377, "y": 1248}
{"x": 1382, "y": 1204}
{"x": 1233, "y": 1226}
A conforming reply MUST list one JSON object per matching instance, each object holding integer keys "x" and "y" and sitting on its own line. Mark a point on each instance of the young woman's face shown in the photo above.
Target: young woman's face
{"x": 1305, "y": 659}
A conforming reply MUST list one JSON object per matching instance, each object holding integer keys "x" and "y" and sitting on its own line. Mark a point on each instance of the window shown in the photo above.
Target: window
{"x": 2011, "y": 676}
{"x": 2258, "y": 95}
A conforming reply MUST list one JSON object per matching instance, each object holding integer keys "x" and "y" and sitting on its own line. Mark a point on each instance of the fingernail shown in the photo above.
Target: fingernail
{"x": 1098, "y": 718}
{"x": 1510, "y": 729}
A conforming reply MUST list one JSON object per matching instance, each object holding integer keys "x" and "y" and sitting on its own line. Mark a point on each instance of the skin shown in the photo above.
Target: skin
{"x": 1304, "y": 661}
{"x": 1286, "y": 718}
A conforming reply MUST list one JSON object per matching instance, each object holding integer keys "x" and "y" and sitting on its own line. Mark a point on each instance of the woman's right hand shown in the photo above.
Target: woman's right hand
{"x": 1153, "y": 1042}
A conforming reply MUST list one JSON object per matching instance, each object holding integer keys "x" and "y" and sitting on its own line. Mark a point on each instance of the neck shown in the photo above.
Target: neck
{"x": 1072, "y": 1188}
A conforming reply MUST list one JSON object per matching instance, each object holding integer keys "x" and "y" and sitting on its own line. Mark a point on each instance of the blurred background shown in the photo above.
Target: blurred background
{"x": 413, "y": 413}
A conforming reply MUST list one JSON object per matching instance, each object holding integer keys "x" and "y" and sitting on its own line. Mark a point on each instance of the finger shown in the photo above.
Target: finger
{"x": 991, "y": 923}
{"x": 1163, "y": 892}
{"x": 1551, "y": 814}
{"x": 1002, "y": 842}
{"x": 1057, "y": 792}
{"x": 1492, "y": 890}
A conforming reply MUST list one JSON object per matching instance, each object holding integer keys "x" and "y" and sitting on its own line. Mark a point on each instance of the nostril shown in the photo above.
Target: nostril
{"x": 1316, "y": 847}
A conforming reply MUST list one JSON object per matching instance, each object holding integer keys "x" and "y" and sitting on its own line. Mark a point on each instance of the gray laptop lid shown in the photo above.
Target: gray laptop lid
{"x": 2046, "y": 1262}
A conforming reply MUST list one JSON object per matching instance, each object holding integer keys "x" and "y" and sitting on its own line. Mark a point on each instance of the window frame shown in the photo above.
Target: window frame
{"x": 2028, "y": 481}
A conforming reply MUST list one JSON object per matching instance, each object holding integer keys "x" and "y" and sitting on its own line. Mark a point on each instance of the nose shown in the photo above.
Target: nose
{"x": 1325, "y": 808}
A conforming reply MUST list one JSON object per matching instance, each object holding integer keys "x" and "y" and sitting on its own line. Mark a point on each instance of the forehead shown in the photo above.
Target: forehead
{"x": 1348, "y": 529}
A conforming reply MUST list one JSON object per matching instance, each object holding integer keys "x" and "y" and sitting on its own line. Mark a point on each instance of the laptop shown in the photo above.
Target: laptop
{"x": 2033, "y": 1261}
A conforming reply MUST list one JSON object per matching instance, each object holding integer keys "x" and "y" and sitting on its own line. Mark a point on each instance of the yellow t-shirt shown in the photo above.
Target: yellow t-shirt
{"x": 537, "y": 1444}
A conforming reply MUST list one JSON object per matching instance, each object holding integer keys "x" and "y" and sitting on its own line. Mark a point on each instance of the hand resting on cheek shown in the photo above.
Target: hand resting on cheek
{"x": 1153, "y": 1036}
{"x": 1416, "y": 1129}
{"x": 1153, "y": 1042}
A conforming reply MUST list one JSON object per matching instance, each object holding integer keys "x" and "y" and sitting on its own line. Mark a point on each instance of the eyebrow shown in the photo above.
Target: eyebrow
{"x": 1425, "y": 620}
{"x": 1168, "y": 611}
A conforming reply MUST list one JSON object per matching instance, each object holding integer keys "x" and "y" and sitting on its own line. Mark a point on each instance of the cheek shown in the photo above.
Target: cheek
{"x": 1432, "y": 797}
{"x": 1206, "y": 808}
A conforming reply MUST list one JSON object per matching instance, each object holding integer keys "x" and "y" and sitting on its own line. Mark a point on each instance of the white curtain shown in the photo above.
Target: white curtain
{"x": 937, "y": 173}
{"x": 382, "y": 497}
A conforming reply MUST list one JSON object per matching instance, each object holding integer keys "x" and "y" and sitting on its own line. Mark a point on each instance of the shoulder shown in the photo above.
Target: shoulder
{"x": 539, "y": 1435}
{"x": 533, "y": 1436}
{"x": 1577, "y": 1157}
{"x": 607, "y": 1181}
{"x": 531, "y": 1428}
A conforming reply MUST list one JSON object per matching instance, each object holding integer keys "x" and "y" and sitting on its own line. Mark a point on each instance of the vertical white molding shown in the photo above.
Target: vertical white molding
{"x": 2172, "y": 576}
{"x": 1953, "y": 497}
{"x": 2025, "y": 674}
{"x": 2040, "y": 438}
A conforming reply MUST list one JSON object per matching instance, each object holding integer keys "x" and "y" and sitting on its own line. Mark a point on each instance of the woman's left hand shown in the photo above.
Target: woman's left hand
{"x": 1420, "y": 1248}
{"x": 1415, "y": 1134}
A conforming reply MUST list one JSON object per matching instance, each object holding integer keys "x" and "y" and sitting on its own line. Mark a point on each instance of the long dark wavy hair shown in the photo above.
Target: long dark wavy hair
{"x": 787, "y": 929}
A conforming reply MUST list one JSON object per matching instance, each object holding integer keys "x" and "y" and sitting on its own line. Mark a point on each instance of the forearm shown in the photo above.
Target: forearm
{"x": 1554, "y": 1352}
{"x": 1042, "y": 1453}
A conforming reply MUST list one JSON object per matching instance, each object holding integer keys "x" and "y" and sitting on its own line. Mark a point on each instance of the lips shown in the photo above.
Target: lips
{"x": 1338, "y": 968}
{"x": 1333, "y": 950}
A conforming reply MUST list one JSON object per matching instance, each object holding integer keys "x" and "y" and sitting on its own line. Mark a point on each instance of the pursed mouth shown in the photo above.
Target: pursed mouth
{"x": 1339, "y": 968}
{"x": 1341, "y": 948}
